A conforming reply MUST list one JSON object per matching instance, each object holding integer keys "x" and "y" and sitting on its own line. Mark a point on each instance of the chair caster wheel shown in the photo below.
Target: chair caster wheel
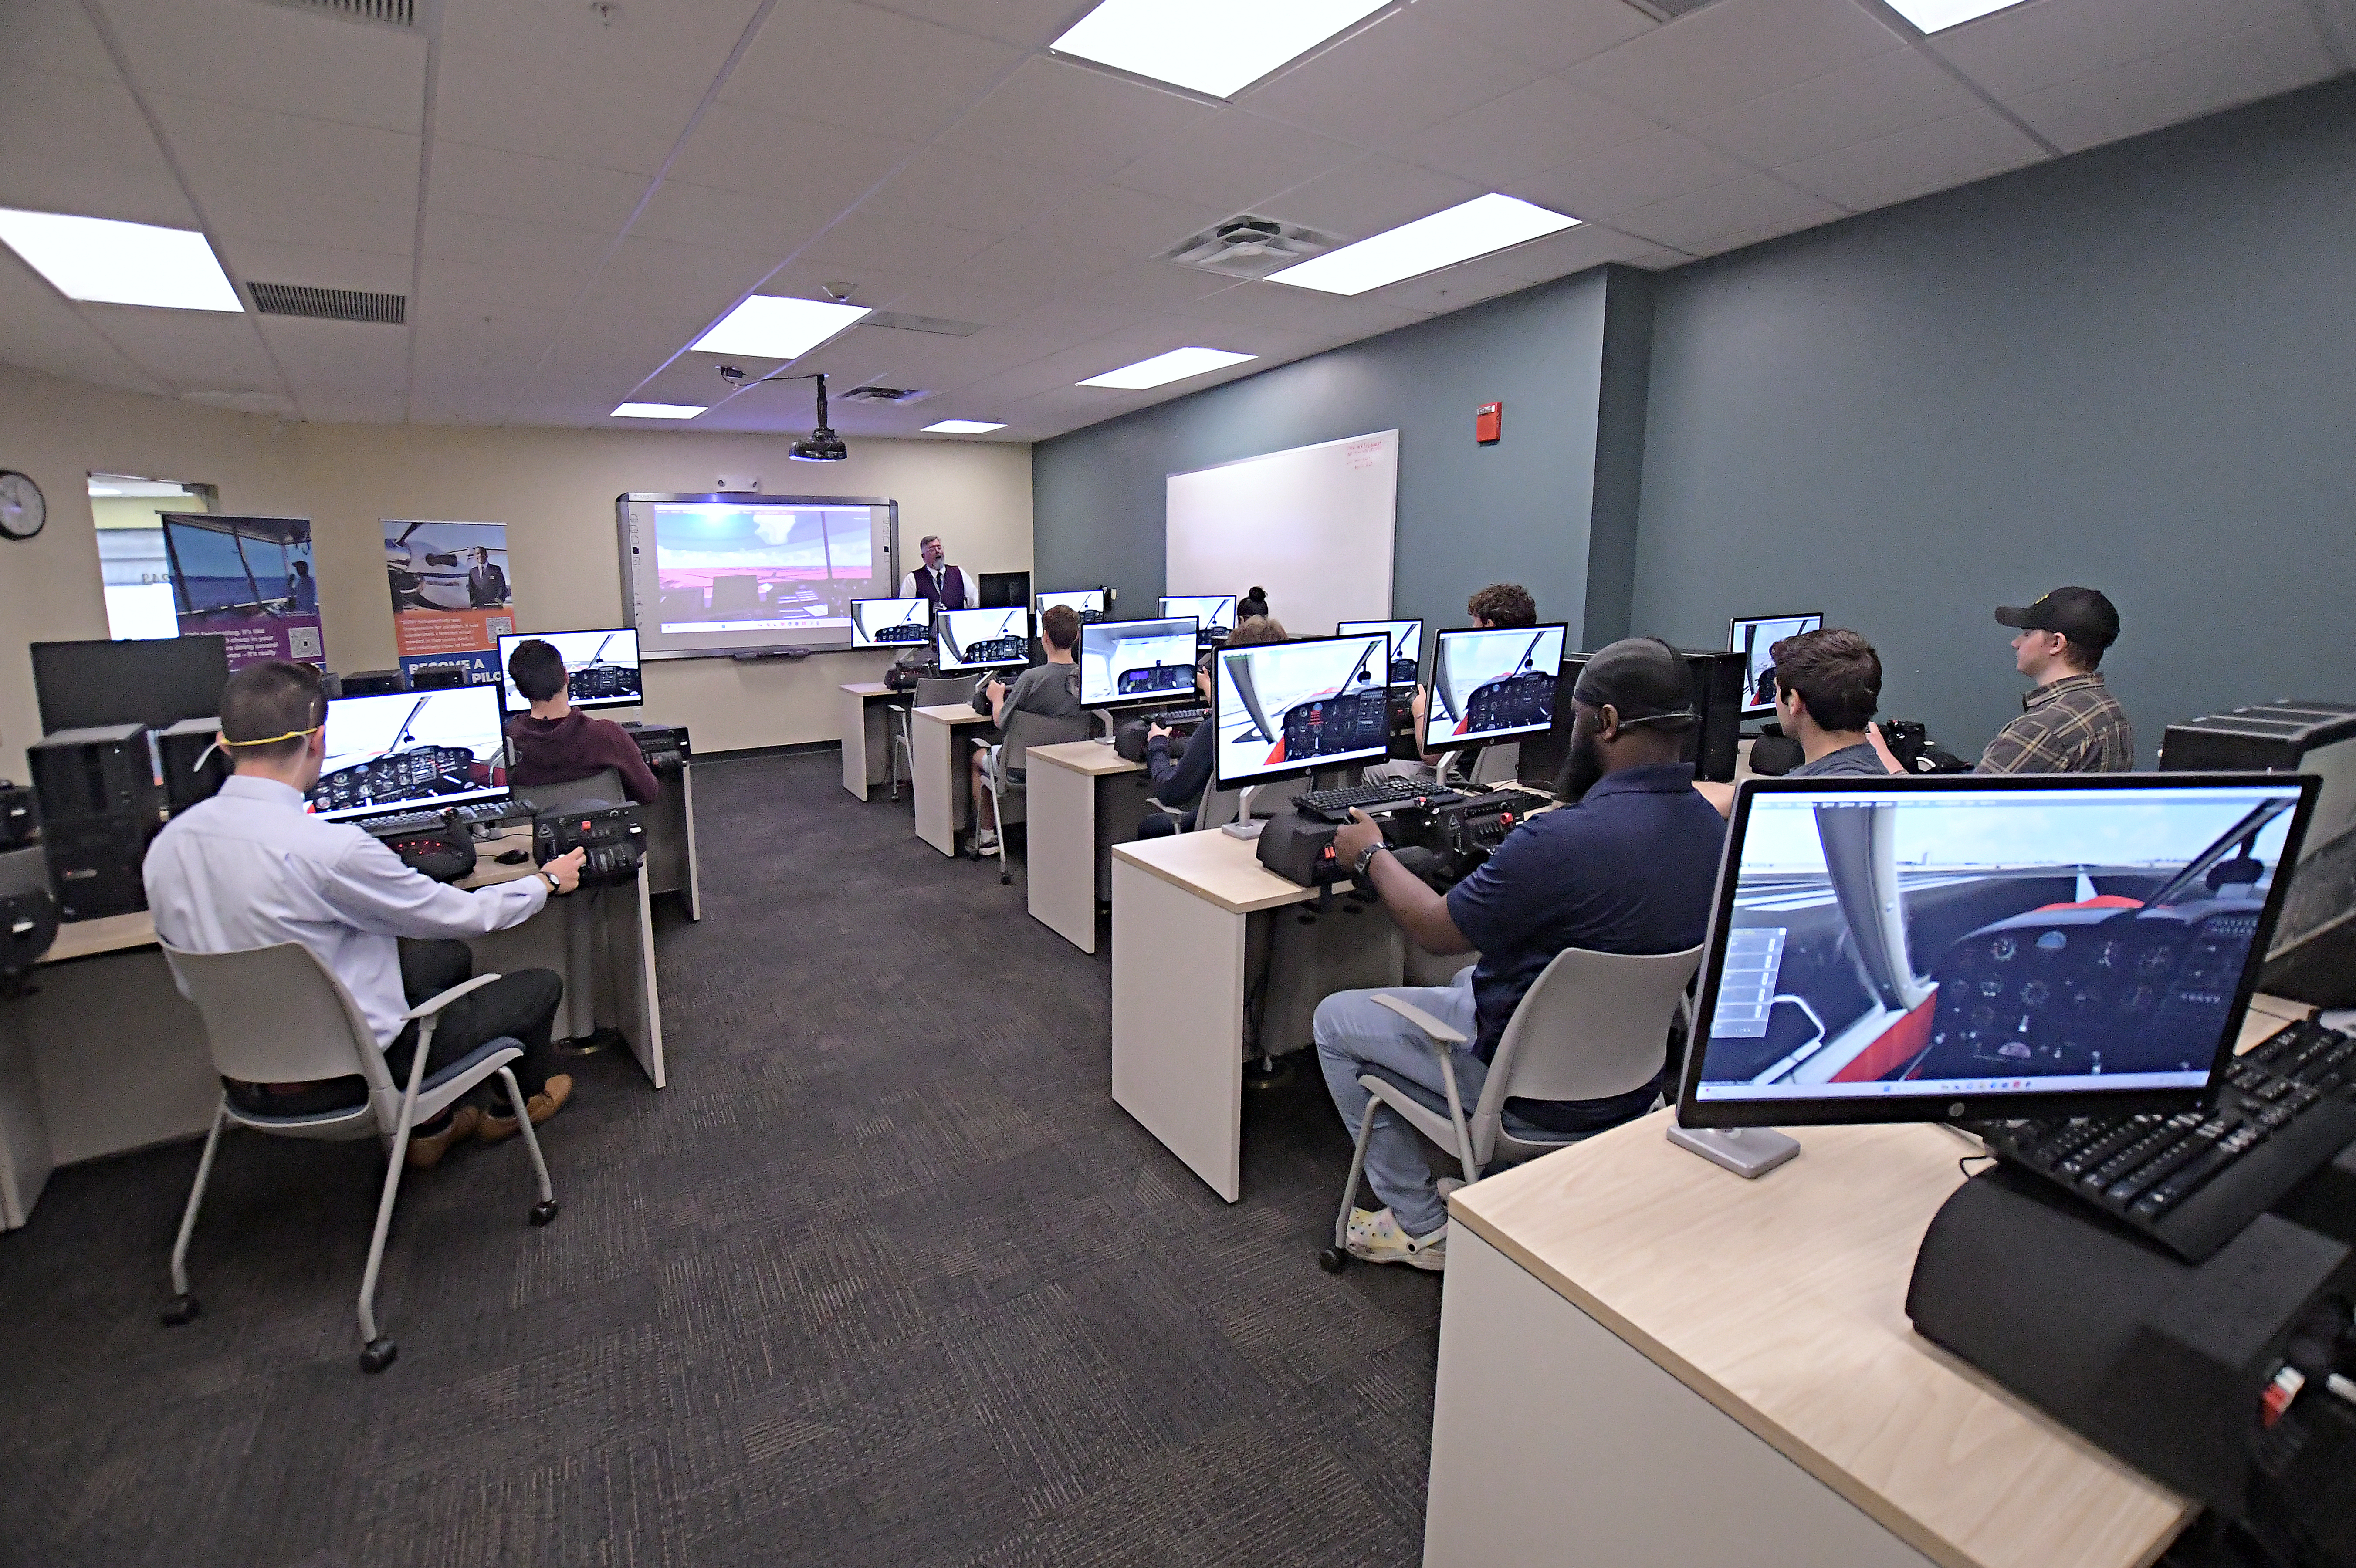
{"x": 542, "y": 1213}
{"x": 1005, "y": 879}
{"x": 1332, "y": 1260}
{"x": 180, "y": 1309}
{"x": 379, "y": 1355}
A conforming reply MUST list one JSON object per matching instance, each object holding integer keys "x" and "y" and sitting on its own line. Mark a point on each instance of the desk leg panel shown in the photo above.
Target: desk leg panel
{"x": 939, "y": 789}
{"x": 1061, "y": 863}
{"x": 851, "y": 714}
{"x": 1555, "y": 1441}
{"x": 24, "y": 1159}
{"x": 120, "y": 1055}
{"x": 1177, "y": 1024}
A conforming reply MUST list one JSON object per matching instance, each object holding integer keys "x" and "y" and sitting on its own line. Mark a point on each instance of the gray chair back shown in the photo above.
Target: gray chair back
{"x": 276, "y": 1015}
{"x": 604, "y": 785}
{"x": 1022, "y": 730}
{"x": 1591, "y": 1026}
{"x": 1218, "y": 807}
{"x": 941, "y": 691}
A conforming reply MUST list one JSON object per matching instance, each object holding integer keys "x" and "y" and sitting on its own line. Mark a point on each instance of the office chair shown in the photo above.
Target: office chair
{"x": 277, "y": 1015}
{"x": 931, "y": 691}
{"x": 1021, "y": 732}
{"x": 604, "y": 785}
{"x": 1591, "y": 1026}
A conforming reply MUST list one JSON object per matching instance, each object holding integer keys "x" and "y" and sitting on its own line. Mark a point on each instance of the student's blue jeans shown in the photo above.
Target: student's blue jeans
{"x": 1354, "y": 1036}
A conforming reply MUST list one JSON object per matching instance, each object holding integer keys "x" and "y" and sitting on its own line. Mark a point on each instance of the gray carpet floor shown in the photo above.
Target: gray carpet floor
{"x": 883, "y": 1278}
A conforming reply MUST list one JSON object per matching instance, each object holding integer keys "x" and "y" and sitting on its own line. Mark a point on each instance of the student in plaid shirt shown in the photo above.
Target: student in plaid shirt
{"x": 2070, "y": 723}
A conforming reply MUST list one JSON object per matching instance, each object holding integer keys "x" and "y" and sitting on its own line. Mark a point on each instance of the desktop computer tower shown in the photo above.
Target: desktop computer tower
{"x": 1717, "y": 683}
{"x": 102, "y": 771}
{"x": 94, "y": 864}
{"x": 188, "y": 761}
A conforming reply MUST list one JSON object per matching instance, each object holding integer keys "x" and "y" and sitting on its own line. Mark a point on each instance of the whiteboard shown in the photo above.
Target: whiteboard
{"x": 1314, "y": 526}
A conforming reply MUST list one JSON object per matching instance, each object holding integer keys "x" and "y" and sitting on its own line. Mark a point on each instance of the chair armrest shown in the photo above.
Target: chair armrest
{"x": 1421, "y": 1020}
{"x": 433, "y": 1005}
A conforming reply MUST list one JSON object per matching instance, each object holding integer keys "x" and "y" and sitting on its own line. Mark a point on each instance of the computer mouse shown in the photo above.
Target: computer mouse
{"x": 513, "y": 857}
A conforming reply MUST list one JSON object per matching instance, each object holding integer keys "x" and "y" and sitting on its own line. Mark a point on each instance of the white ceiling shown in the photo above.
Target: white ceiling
{"x": 568, "y": 195}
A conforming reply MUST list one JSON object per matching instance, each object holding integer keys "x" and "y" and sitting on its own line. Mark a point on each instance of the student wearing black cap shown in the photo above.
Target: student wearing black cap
{"x": 1628, "y": 868}
{"x": 2070, "y": 723}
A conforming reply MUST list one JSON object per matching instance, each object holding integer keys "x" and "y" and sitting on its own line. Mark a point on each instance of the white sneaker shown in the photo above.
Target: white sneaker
{"x": 1449, "y": 1184}
{"x": 984, "y": 843}
{"x": 1375, "y": 1236}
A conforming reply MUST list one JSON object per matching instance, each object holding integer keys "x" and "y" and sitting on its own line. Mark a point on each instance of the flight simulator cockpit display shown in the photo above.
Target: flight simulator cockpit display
{"x": 601, "y": 668}
{"x": 1136, "y": 661}
{"x": 411, "y": 750}
{"x": 981, "y": 639}
{"x": 1285, "y": 708}
{"x": 1492, "y": 685}
{"x": 1754, "y": 638}
{"x": 1088, "y": 603}
{"x": 2055, "y": 936}
{"x": 890, "y": 622}
{"x": 1406, "y": 644}
{"x": 1215, "y": 614}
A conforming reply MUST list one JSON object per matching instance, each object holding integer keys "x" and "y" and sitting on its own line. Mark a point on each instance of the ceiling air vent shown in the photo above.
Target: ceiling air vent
{"x": 1248, "y": 247}
{"x": 872, "y": 394}
{"x": 392, "y": 12}
{"x": 330, "y": 305}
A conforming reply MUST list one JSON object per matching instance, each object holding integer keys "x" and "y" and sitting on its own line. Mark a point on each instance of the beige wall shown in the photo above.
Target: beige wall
{"x": 553, "y": 489}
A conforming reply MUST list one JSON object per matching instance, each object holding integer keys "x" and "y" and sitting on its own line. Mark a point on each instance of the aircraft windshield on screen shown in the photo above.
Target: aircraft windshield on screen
{"x": 1282, "y": 705}
{"x": 1494, "y": 682}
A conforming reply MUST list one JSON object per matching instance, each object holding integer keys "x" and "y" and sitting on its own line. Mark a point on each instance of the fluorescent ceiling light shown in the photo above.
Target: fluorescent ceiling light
{"x": 768, "y": 327}
{"x": 1938, "y": 16}
{"x": 1175, "y": 366}
{"x": 104, "y": 490}
{"x": 658, "y": 411}
{"x": 962, "y": 427}
{"x": 106, "y": 262}
{"x": 1216, "y": 47}
{"x": 1476, "y": 227}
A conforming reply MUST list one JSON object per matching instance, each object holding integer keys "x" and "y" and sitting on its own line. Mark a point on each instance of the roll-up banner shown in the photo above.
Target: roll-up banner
{"x": 452, "y": 601}
{"x": 247, "y": 581}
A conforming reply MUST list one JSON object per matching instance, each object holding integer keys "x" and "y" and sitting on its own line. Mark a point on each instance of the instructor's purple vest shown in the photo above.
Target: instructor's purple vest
{"x": 951, "y": 591}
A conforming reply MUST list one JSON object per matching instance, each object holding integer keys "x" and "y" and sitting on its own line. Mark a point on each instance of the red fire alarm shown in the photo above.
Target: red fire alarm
{"x": 1488, "y": 423}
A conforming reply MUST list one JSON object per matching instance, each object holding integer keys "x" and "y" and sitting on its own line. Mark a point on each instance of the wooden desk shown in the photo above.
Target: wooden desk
{"x": 107, "y": 1056}
{"x": 866, "y": 714}
{"x": 1182, "y": 962}
{"x": 944, "y": 778}
{"x": 1645, "y": 1360}
{"x": 1085, "y": 797}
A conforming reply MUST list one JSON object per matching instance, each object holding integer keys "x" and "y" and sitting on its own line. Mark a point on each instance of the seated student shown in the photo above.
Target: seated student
{"x": 250, "y": 867}
{"x": 2070, "y": 723}
{"x": 1629, "y": 868}
{"x": 554, "y": 745}
{"x": 1499, "y": 605}
{"x": 1826, "y": 685}
{"x": 1051, "y": 690}
{"x": 1252, "y": 603}
{"x": 1180, "y": 784}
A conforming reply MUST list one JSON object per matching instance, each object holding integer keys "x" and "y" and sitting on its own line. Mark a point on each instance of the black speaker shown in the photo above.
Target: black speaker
{"x": 374, "y": 683}
{"x": 94, "y": 865}
{"x": 96, "y": 773}
{"x": 192, "y": 765}
{"x": 439, "y": 677}
{"x": 20, "y": 816}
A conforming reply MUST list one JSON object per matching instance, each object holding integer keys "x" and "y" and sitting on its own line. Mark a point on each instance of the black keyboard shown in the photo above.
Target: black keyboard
{"x": 1175, "y": 717}
{"x": 474, "y": 812}
{"x": 2195, "y": 1180}
{"x": 1335, "y": 805}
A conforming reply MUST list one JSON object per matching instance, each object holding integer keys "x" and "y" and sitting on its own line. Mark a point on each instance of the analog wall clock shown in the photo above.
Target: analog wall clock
{"x": 22, "y": 510}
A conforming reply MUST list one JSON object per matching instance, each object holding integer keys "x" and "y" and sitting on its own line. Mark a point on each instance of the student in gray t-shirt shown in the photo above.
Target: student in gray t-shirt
{"x": 1827, "y": 685}
{"x": 1052, "y": 691}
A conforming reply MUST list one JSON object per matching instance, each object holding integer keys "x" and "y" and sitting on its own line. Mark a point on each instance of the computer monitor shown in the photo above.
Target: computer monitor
{"x": 1125, "y": 662}
{"x": 412, "y": 751}
{"x": 890, "y": 622}
{"x": 152, "y": 682}
{"x": 1540, "y": 759}
{"x": 1492, "y": 684}
{"x": 1406, "y": 644}
{"x": 1283, "y": 709}
{"x": 601, "y": 668}
{"x": 980, "y": 639}
{"x": 1753, "y": 636}
{"x": 1963, "y": 948}
{"x": 1216, "y": 614}
{"x": 1088, "y": 604}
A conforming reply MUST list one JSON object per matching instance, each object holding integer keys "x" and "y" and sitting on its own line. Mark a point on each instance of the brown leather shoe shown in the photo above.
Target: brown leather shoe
{"x": 551, "y": 1099}
{"x": 425, "y": 1153}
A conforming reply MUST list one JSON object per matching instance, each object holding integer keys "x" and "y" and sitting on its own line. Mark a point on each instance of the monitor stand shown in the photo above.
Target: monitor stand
{"x": 1245, "y": 826}
{"x": 1749, "y": 1152}
{"x": 1105, "y": 714}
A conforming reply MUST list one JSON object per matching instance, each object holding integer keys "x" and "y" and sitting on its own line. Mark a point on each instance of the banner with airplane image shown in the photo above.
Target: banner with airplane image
{"x": 452, "y": 599}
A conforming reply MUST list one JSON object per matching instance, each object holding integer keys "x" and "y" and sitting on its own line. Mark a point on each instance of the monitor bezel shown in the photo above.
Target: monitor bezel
{"x": 1221, "y": 779}
{"x": 1852, "y": 1110}
{"x": 506, "y": 647}
{"x": 889, "y": 599}
{"x": 1340, "y": 630}
{"x": 1467, "y": 742}
{"x": 1203, "y": 627}
{"x": 941, "y": 624}
{"x": 361, "y": 816}
{"x": 1734, "y": 645}
{"x": 1148, "y": 699}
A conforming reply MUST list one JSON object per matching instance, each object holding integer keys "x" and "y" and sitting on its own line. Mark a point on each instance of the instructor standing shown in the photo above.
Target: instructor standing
{"x": 944, "y": 584}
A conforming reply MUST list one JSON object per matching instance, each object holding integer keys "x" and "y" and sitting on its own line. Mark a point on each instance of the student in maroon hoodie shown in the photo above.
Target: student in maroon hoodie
{"x": 554, "y": 745}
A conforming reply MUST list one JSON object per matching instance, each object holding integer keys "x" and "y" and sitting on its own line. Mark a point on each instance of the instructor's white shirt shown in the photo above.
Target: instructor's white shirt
{"x": 249, "y": 868}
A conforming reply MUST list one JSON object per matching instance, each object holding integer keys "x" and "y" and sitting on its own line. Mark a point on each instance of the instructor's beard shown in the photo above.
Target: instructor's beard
{"x": 1581, "y": 768}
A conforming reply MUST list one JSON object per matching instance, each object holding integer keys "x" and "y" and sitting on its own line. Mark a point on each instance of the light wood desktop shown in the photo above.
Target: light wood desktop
{"x": 1084, "y": 798}
{"x": 866, "y": 714}
{"x": 1645, "y": 1360}
{"x": 105, "y": 1055}
{"x": 943, "y": 776}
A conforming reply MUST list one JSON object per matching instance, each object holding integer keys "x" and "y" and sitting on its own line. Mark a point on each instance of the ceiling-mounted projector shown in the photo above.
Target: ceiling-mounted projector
{"x": 822, "y": 445}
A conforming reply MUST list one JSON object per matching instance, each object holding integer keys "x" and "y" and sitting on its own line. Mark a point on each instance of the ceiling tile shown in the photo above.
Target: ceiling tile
{"x": 1149, "y": 287}
{"x": 77, "y": 144}
{"x": 1874, "y": 98}
{"x": 2027, "y": 48}
{"x": 988, "y": 196}
{"x": 1731, "y": 52}
{"x": 321, "y": 266}
{"x": 1053, "y": 115}
{"x": 1390, "y": 81}
{"x": 1020, "y": 267}
{"x": 1755, "y": 206}
{"x": 865, "y": 68}
{"x": 40, "y": 42}
{"x": 909, "y": 244}
{"x": 276, "y": 58}
{"x": 280, "y": 177}
{"x": 1548, "y": 35}
{"x": 799, "y": 160}
{"x": 1574, "y": 250}
{"x": 1110, "y": 219}
{"x": 1451, "y": 288}
{"x": 191, "y": 350}
{"x": 1915, "y": 161}
{"x": 1304, "y": 311}
{"x": 491, "y": 182}
{"x": 1541, "y": 126}
{"x": 1367, "y": 197}
{"x": 1233, "y": 159}
{"x": 2182, "y": 84}
{"x": 1026, "y": 24}
{"x": 697, "y": 215}
{"x": 45, "y": 332}
{"x": 1662, "y": 165}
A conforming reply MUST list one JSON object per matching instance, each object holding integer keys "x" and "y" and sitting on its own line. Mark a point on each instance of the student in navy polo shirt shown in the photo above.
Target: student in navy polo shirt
{"x": 1628, "y": 869}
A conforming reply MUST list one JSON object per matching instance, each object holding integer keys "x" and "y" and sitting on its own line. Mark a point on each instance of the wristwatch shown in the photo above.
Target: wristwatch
{"x": 553, "y": 885}
{"x": 1365, "y": 859}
